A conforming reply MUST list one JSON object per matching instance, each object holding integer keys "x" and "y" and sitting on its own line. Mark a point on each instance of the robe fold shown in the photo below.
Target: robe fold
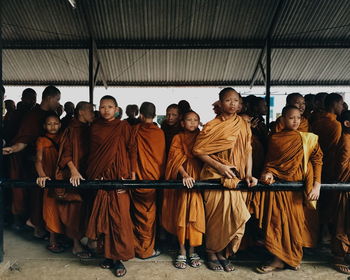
{"x": 74, "y": 146}
{"x": 147, "y": 148}
{"x": 183, "y": 210}
{"x": 341, "y": 220}
{"x": 28, "y": 203}
{"x": 109, "y": 159}
{"x": 291, "y": 156}
{"x": 329, "y": 132}
{"x": 228, "y": 142}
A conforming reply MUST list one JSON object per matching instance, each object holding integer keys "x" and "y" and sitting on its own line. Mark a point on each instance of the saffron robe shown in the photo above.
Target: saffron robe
{"x": 109, "y": 159}
{"x": 341, "y": 220}
{"x": 148, "y": 162}
{"x": 228, "y": 142}
{"x": 28, "y": 202}
{"x": 183, "y": 210}
{"x": 291, "y": 156}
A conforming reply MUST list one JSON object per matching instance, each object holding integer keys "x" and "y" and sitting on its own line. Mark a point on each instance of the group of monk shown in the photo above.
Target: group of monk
{"x": 309, "y": 141}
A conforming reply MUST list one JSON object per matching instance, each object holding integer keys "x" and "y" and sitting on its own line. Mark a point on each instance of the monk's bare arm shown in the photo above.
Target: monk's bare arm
{"x": 14, "y": 148}
{"x": 224, "y": 170}
{"x": 187, "y": 180}
{"x": 250, "y": 180}
{"x": 39, "y": 169}
{"x": 75, "y": 176}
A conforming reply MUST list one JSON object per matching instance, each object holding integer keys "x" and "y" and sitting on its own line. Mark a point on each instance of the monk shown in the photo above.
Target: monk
{"x": 224, "y": 145}
{"x": 69, "y": 110}
{"x": 329, "y": 130}
{"x": 109, "y": 159}
{"x": 132, "y": 111}
{"x": 47, "y": 147}
{"x": 183, "y": 210}
{"x": 171, "y": 124}
{"x": 72, "y": 161}
{"x": 292, "y": 156}
{"x": 341, "y": 221}
{"x": 22, "y": 151}
{"x": 148, "y": 163}
{"x": 297, "y": 100}
{"x": 319, "y": 107}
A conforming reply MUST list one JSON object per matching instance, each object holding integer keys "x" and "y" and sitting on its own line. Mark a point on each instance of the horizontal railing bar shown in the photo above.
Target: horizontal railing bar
{"x": 169, "y": 184}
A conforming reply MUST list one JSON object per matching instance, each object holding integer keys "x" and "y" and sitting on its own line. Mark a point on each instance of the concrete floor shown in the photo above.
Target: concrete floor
{"x": 27, "y": 258}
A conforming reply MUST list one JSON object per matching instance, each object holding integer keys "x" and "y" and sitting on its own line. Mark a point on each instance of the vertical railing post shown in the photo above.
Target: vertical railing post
{"x": 91, "y": 73}
{"x": 2, "y": 93}
{"x": 268, "y": 78}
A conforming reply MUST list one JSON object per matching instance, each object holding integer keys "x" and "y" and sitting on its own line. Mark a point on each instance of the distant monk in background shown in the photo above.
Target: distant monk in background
{"x": 184, "y": 107}
{"x": 171, "y": 124}
{"x": 132, "y": 111}
{"x": 69, "y": 109}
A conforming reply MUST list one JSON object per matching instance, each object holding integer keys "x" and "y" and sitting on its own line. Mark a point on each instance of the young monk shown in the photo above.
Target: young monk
{"x": 292, "y": 156}
{"x": 171, "y": 124}
{"x": 224, "y": 145}
{"x": 297, "y": 100}
{"x": 183, "y": 211}
{"x": 73, "y": 206}
{"x": 341, "y": 221}
{"x": 109, "y": 159}
{"x": 148, "y": 163}
{"x": 329, "y": 131}
{"x": 132, "y": 111}
{"x": 47, "y": 148}
{"x": 22, "y": 161}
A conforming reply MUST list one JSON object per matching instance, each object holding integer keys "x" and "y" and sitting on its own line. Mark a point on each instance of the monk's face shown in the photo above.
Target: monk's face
{"x": 298, "y": 102}
{"x": 262, "y": 108}
{"x": 230, "y": 103}
{"x": 87, "y": 114}
{"x": 54, "y": 102}
{"x": 52, "y": 125}
{"x": 191, "y": 122}
{"x": 292, "y": 119}
{"x": 108, "y": 109}
{"x": 172, "y": 116}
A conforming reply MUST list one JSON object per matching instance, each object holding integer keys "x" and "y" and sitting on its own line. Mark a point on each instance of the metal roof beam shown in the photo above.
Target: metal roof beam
{"x": 200, "y": 44}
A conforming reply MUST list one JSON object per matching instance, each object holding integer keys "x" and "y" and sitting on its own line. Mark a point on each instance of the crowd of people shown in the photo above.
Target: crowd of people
{"x": 309, "y": 142}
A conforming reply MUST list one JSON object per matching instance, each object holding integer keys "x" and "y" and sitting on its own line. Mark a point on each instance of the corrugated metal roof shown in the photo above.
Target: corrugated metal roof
{"x": 175, "y": 20}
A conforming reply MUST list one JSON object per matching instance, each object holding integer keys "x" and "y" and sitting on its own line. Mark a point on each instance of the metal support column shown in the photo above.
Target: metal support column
{"x": 268, "y": 78}
{"x": 2, "y": 93}
{"x": 91, "y": 73}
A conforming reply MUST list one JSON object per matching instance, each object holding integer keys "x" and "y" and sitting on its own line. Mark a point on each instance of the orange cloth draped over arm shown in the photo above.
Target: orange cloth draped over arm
{"x": 289, "y": 152}
{"x": 148, "y": 162}
{"x": 228, "y": 142}
{"x": 183, "y": 210}
{"x": 109, "y": 159}
{"x": 341, "y": 237}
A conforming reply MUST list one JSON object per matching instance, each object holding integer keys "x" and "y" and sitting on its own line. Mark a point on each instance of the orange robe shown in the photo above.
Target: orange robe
{"x": 341, "y": 236}
{"x": 279, "y": 125}
{"x": 183, "y": 210}
{"x": 74, "y": 146}
{"x": 228, "y": 142}
{"x": 292, "y": 156}
{"x": 28, "y": 202}
{"x": 109, "y": 159}
{"x": 148, "y": 161}
{"x": 329, "y": 131}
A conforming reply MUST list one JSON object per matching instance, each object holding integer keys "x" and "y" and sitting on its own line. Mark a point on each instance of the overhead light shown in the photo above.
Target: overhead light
{"x": 73, "y": 3}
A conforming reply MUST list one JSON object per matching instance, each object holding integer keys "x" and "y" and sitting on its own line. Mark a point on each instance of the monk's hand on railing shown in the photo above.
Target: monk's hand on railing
{"x": 315, "y": 192}
{"x": 75, "y": 179}
{"x": 267, "y": 178}
{"x": 227, "y": 171}
{"x": 188, "y": 182}
{"x": 41, "y": 181}
{"x": 251, "y": 181}
{"x": 7, "y": 150}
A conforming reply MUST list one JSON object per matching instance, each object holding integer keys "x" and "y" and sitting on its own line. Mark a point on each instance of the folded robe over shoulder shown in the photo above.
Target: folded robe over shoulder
{"x": 147, "y": 148}
{"x": 109, "y": 159}
{"x": 228, "y": 142}
{"x": 183, "y": 210}
{"x": 291, "y": 156}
